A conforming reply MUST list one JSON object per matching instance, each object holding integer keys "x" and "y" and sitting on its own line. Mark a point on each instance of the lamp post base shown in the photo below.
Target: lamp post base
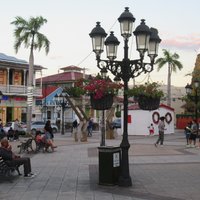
{"x": 125, "y": 181}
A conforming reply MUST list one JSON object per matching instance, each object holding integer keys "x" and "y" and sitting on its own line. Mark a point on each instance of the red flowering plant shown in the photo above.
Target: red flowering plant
{"x": 100, "y": 87}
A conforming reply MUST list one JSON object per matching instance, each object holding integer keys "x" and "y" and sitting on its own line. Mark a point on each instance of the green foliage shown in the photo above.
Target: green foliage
{"x": 75, "y": 91}
{"x": 118, "y": 113}
{"x": 27, "y": 32}
{"x": 147, "y": 89}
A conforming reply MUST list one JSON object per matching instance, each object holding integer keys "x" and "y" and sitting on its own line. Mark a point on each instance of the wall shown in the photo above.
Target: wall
{"x": 141, "y": 119}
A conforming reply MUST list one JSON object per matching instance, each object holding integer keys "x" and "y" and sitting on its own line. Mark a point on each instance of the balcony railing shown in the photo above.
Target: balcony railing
{"x": 19, "y": 90}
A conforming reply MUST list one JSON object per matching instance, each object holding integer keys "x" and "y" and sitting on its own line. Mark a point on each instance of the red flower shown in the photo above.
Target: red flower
{"x": 101, "y": 87}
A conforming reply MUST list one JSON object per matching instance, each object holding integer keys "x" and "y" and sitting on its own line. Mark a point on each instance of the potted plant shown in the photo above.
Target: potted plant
{"x": 77, "y": 90}
{"x": 148, "y": 95}
{"x": 101, "y": 91}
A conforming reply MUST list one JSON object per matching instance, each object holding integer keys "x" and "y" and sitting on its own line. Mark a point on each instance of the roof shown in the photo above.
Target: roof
{"x": 61, "y": 77}
{"x": 136, "y": 107}
{"x": 4, "y": 57}
{"x": 10, "y": 61}
{"x": 47, "y": 91}
{"x": 166, "y": 106}
{"x": 71, "y": 68}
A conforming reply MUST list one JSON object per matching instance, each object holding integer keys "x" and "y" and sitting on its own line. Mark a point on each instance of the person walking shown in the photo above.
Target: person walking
{"x": 16, "y": 129}
{"x": 193, "y": 134}
{"x": 74, "y": 130}
{"x": 161, "y": 129}
{"x": 49, "y": 129}
{"x": 187, "y": 133}
{"x": 89, "y": 128}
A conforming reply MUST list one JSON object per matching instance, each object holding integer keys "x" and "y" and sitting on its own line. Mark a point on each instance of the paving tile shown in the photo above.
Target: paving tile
{"x": 71, "y": 173}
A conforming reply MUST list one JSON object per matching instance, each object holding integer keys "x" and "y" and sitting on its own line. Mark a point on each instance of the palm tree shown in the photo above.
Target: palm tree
{"x": 173, "y": 63}
{"x": 27, "y": 33}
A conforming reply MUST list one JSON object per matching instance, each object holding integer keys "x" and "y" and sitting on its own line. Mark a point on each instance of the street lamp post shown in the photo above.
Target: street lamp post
{"x": 62, "y": 102}
{"x": 44, "y": 112}
{"x": 147, "y": 40}
{"x": 1, "y": 96}
{"x": 189, "y": 89}
{"x": 103, "y": 124}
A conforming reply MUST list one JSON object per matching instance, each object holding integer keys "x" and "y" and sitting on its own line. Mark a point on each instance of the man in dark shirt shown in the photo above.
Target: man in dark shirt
{"x": 13, "y": 160}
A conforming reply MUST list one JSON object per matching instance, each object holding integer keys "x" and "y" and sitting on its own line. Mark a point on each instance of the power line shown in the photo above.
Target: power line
{"x": 92, "y": 51}
{"x": 84, "y": 59}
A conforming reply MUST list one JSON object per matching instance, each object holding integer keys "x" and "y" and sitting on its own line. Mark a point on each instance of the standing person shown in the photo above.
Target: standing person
{"x": 161, "y": 129}
{"x": 187, "y": 133}
{"x": 193, "y": 134}
{"x": 89, "y": 128}
{"x": 151, "y": 130}
{"x": 74, "y": 131}
{"x": 49, "y": 129}
{"x": 2, "y": 132}
{"x": 16, "y": 129}
{"x": 14, "y": 160}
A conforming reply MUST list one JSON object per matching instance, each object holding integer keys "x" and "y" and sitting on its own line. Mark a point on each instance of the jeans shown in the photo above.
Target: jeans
{"x": 160, "y": 137}
{"x": 26, "y": 162}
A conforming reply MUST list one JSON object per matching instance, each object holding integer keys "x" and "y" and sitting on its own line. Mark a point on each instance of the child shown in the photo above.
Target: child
{"x": 151, "y": 130}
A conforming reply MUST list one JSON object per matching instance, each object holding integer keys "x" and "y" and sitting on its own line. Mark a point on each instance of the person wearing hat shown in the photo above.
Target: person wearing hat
{"x": 161, "y": 129}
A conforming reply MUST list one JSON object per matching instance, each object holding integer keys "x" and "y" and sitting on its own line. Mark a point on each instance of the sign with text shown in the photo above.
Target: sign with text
{"x": 116, "y": 159}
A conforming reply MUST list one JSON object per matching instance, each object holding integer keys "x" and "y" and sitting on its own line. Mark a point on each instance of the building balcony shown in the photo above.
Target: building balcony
{"x": 19, "y": 90}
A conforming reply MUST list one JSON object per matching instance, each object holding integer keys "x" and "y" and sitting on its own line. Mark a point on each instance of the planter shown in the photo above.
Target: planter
{"x": 104, "y": 103}
{"x": 148, "y": 103}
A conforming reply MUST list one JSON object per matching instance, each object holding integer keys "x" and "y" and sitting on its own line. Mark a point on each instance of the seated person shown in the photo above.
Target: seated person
{"x": 40, "y": 143}
{"x": 14, "y": 160}
{"x": 38, "y": 137}
{"x": 48, "y": 139}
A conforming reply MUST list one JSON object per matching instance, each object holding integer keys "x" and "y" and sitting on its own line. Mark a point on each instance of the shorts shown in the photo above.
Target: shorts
{"x": 193, "y": 136}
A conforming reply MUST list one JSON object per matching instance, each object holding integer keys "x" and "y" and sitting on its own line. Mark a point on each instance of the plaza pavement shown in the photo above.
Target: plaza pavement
{"x": 71, "y": 172}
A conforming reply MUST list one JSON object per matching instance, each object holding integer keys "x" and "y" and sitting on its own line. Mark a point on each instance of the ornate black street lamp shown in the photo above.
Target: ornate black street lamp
{"x": 195, "y": 98}
{"x": 147, "y": 40}
{"x": 62, "y": 102}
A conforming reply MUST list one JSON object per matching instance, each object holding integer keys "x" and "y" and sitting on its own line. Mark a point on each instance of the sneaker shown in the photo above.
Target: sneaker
{"x": 33, "y": 174}
{"x": 155, "y": 145}
{"x": 30, "y": 175}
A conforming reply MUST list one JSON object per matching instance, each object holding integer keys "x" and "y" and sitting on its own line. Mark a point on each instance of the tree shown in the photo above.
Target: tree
{"x": 27, "y": 33}
{"x": 173, "y": 63}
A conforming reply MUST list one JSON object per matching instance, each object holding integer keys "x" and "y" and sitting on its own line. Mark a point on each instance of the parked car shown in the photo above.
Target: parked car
{"x": 21, "y": 128}
{"x": 39, "y": 126}
{"x": 116, "y": 123}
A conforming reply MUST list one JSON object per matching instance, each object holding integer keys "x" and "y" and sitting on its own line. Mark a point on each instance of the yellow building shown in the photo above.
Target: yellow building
{"x": 13, "y": 85}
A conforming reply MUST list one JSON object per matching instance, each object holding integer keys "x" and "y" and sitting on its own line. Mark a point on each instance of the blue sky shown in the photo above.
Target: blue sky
{"x": 70, "y": 22}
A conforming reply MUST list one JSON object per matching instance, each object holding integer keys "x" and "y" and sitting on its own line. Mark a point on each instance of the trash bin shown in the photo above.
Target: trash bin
{"x": 109, "y": 165}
